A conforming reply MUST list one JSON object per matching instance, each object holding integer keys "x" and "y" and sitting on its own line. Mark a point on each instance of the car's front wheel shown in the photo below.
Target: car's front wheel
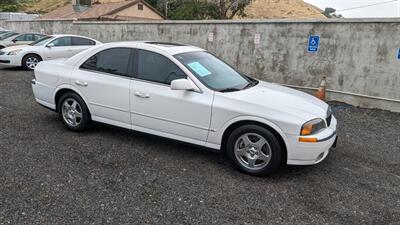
{"x": 73, "y": 112}
{"x": 254, "y": 150}
{"x": 29, "y": 62}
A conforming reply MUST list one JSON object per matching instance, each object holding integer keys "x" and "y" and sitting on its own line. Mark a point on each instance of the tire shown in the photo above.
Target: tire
{"x": 73, "y": 112}
{"x": 254, "y": 150}
{"x": 30, "y": 61}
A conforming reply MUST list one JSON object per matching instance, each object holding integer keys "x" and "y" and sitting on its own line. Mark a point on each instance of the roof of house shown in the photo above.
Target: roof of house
{"x": 97, "y": 11}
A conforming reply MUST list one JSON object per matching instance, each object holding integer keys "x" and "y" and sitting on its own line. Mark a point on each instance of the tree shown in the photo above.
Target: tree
{"x": 9, "y": 5}
{"x": 203, "y": 9}
{"x": 330, "y": 13}
{"x": 193, "y": 10}
{"x": 153, "y": 3}
{"x": 229, "y": 8}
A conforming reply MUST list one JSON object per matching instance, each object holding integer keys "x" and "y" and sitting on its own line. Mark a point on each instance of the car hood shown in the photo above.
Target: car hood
{"x": 276, "y": 98}
{"x": 15, "y": 47}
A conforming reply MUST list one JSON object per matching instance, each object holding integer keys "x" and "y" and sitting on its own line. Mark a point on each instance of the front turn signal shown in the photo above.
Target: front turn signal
{"x": 306, "y": 139}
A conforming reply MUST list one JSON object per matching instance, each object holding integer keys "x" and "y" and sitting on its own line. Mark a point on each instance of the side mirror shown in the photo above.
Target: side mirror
{"x": 50, "y": 45}
{"x": 183, "y": 84}
{"x": 14, "y": 40}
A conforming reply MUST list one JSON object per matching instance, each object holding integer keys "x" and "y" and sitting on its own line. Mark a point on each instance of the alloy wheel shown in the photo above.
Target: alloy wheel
{"x": 31, "y": 62}
{"x": 72, "y": 112}
{"x": 252, "y": 151}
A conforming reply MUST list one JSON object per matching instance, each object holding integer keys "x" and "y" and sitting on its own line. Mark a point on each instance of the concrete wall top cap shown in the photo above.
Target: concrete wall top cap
{"x": 252, "y": 21}
{"x": 245, "y": 21}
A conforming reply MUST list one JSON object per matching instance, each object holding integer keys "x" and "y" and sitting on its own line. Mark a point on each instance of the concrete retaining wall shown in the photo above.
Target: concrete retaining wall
{"x": 359, "y": 57}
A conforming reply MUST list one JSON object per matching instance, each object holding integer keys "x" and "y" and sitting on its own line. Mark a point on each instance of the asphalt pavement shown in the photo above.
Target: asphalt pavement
{"x": 108, "y": 175}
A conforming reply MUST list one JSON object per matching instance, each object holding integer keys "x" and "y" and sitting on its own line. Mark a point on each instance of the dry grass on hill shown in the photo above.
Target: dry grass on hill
{"x": 277, "y": 9}
{"x": 259, "y": 9}
{"x": 44, "y": 5}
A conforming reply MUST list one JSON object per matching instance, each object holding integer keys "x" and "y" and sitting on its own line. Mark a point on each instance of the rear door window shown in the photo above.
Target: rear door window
{"x": 114, "y": 61}
{"x": 78, "y": 41}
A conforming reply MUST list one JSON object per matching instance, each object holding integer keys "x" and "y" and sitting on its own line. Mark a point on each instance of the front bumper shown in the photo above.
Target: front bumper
{"x": 303, "y": 153}
{"x": 10, "y": 60}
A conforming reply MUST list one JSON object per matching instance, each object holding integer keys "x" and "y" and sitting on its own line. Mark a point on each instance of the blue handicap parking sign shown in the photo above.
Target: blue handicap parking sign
{"x": 313, "y": 43}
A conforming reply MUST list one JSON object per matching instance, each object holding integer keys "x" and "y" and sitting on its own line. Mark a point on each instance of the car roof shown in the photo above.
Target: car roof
{"x": 68, "y": 35}
{"x": 168, "y": 47}
{"x": 32, "y": 33}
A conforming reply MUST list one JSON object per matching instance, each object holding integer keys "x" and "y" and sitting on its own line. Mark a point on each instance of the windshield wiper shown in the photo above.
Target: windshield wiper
{"x": 230, "y": 89}
{"x": 251, "y": 84}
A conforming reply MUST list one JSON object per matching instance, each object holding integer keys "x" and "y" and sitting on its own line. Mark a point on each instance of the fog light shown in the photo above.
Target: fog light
{"x": 320, "y": 156}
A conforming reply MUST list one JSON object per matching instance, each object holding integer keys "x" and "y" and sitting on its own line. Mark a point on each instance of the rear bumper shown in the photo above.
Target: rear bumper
{"x": 302, "y": 153}
{"x": 42, "y": 94}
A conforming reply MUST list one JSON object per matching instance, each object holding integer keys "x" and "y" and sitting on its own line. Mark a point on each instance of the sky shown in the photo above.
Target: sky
{"x": 386, "y": 8}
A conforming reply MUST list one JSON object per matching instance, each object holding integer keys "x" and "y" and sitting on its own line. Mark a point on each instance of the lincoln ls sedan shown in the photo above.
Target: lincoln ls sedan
{"x": 187, "y": 94}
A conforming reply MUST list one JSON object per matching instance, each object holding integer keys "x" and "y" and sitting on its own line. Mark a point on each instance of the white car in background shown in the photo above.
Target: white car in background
{"x": 20, "y": 39}
{"x": 185, "y": 93}
{"x": 47, "y": 48}
{"x": 7, "y": 34}
{"x": 3, "y": 31}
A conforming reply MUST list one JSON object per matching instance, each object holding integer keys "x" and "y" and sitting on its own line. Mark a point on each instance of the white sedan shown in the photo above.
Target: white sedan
{"x": 20, "y": 39}
{"x": 187, "y": 94}
{"x": 47, "y": 48}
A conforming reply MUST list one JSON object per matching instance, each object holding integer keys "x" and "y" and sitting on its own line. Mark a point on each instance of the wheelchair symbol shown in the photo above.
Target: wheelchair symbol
{"x": 313, "y": 43}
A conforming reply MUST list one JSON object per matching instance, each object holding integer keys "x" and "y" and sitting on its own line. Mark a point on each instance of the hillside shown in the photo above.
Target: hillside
{"x": 259, "y": 9}
{"x": 278, "y": 9}
{"x": 43, "y": 6}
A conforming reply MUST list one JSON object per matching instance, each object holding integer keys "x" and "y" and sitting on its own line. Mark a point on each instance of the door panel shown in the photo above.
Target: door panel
{"x": 183, "y": 113}
{"x": 105, "y": 81}
{"x": 80, "y": 44}
{"x": 80, "y": 48}
{"x": 107, "y": 95}
{"x": 62, "y": 49}
{"x": 57, "y": 52}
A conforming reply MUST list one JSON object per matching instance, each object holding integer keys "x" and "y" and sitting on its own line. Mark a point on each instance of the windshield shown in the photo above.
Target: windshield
{"x": 7, "y": 35}
{"x": 41, "y": 41}
{"x": 213, "y": 72}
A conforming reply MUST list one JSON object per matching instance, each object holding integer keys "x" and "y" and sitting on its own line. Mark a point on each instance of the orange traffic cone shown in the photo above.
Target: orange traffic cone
{"x": 321, "y": 90}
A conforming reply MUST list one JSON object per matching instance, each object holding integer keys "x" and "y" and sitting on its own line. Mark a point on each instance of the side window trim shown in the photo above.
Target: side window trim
{"x": 136, "y": 67}
{"x": 129, "y": 74}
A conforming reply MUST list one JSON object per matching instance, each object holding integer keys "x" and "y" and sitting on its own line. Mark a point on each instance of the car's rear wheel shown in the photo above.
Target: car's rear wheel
{"x": 29, "y": 62}
{"x": 73, "y": 112}
{"x": 254, "y": 150}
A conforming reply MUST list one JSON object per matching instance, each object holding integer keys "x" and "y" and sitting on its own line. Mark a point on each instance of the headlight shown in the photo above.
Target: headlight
{"x": 312, "y": 127}
{"x": 14, "y": 52}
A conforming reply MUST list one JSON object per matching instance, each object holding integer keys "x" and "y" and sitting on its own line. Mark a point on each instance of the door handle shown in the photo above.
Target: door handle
{"x": 142, "y": 95}
{"x": 81, "y": 83}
